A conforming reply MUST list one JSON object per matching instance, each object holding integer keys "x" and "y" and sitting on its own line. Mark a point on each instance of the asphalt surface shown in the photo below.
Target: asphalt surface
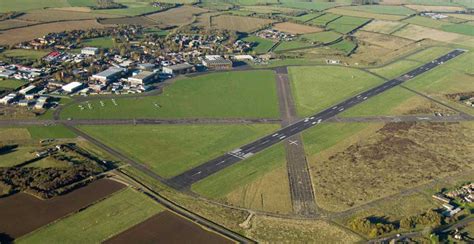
{"x": 301, "y": 187}
{"x": 186, "y": 179}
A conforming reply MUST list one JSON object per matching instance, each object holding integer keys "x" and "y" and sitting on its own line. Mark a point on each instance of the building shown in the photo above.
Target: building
{"x": 90, "y": 51}
{"x": 243, "y": 58}
{"x": 6, "y": 73}
{"x": 142, "y": 78}
{"x": 109, "y": 75}
{"x": 28, "y": 90}
{"x": 216, "y": 62}
{"x": 146, "y": 66}
{"x": 178, "y": 69}
{"x": 25, "y": 103}
{"x": 8, "y": 98}
{"x": 73, "y": 87}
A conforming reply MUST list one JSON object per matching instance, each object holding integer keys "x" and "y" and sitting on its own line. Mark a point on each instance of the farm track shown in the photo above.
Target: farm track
{"x": 301, "y": 187}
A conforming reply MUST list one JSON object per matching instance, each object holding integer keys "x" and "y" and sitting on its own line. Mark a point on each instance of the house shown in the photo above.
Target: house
{"x": 178, "y": 69}
{"x": 90, "y": 51}
{"x": 109, "y": 75}
{"x": 8, "y": 98}
{"x": 73, "y": 87}
{"x": 6, "y": 73}
{"x": 216, "y": 62}
{"x": 441, "y": 198}
{"x": 25, "y": 103}
{"x": 28, "y": 90}
{"x": 142, "y": 78}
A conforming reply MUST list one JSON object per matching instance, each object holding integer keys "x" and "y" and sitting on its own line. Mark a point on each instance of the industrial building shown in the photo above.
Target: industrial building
{"x": 90, "y": 51}
{"x": 109, "y": 75}
{"x": 178, "y": 69}
{"x": 73, "y": 87}
{"x": 142, "y": 78}
{"x": 216, "y": 62}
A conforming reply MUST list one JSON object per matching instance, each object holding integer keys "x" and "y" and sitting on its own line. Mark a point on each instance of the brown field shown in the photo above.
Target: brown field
{"x": 239, "y": 23}
{"x": 167, "y": 227}
{"x": 415, "y": 32}
{"x": 177, "y": 16}
{"x": 382, "y": 40}
{"x": 350, "y": 12}
{"x": 204, "y": 19}
{"x": 139, "y": 20}
{"x": 428, "y": 8}
{"x": 18, "y": 134}
{"x": 28, "y": 33}
{"x": 463, "y": 16}
{"x": 293, "y": 28}
{"x": 395, "y": 157}
{"x": 15, "y": 23}
{"x": 48, "y": 15}
{"x": 269, "y": 193}
{"x": 22, "y": 213}
{"x": 275, "y": 230}
{"x": 75, "y": 9}
{"x": 383, "y": 26}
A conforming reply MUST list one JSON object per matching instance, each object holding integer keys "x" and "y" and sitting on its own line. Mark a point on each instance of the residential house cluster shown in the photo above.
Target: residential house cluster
{"x": 276, "y": 35}
{"x": 450, "y": 199}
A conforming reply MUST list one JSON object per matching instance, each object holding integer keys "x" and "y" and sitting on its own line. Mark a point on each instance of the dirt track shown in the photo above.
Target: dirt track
{"x": 167, "y": 227}
{"x": 22, "y": 213}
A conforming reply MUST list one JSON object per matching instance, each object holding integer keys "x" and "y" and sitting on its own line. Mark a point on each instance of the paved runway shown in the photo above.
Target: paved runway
{"x": 200, "y": 172}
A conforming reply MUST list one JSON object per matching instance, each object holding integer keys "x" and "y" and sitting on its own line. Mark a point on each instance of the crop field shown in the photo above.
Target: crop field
{"x": 28, "y": 33}
{"x": 23, "y": 5}
{"x": 14, "y": 23}
{"x": 363, "y": 14}
{"x": 101, "y": 42}
{"x": 177, "y": 16}
{"x": 168, "y": 228}
{"x": 320, "y": 6}
{"x": 381, "y": 9}
{"x": 249, "y": 94}
{"x": 133, "y": 8}
{"x": 12, "y": 83}
{"x": 319, "y": 87}
{"x": 260, "y": 182}
{"x": 434, "y": 8}
{"x": 344, "y": 46}
{"x": 465, "y": 29}
{"x": 415, "y": 32}
{"x": 321, "y": 37}
{"x": 179, "y": 147}
{"x": 304, "y": 18}
{"x": 293, "y": 28}
{"x": 239, "y": 23}
{"x": 50, "y": 15}
{"x": 292, "y": 45}
{"x": 138, "y": 20}
{"x": 462, "y": 16}
{"x": 382, "y": 40}
{"x": 383, "y": 26}
{"x": 98, "y": 222}
{"x": 366, "y": 169}
{"x": 346, "y": 24}
{"x": 324, "y": 19}
{"x": 22, "y": 213}
{"x": 262, "y": 45}
{"x": 24, "y": 54}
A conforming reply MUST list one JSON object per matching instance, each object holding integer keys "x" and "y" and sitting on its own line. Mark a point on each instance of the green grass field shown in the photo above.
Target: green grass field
{"x": 429, "y": 54}
{"x": 249, "y": 94}
{"x": 307, "y": 5}
{"x": 223, "y": 182}
{"x": 262, "y": 44}
{"x": 465, "y": 29}
{"x": 324, "y": 19}
{"x": 23, "y": 5}
{"x": 292, "y": 45}
{"x": 396, "y": 69}
{"x": 321, "y": 37}
{"x": 47, "y": 132}
{"x": 176, "y": 148}
{"x": 12, "y": 83}
{"x": 101, "y": 42}
{"x": 98, "y": 222}
{"x": 133, "y": 7}
{"x": 82, "y": 3}
{"x": 17, "y": 156}
{"x": 383, "y": 9}
{"x": 24, "y": 54}
{"x": 317, "y": 88}
{"x": 304, "y": 18}
{"x": 344, "y": 46}
{"x": 346, "y": 24}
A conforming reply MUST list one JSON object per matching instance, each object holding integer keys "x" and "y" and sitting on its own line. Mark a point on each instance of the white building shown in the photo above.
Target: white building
{"x": 72, "y": 87}
{"x": 142, "y": 78}
{"x": 109, "y": 75}
{"x": 178, "y": 69}
{"x": 90, "y": 51}
{"x": 28, "y": 90}
{"x": 8, "y": 98}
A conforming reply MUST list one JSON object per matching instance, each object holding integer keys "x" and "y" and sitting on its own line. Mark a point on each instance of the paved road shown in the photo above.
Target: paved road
{"x": 186, "y": 179}
{"x": 403, "y": 118}
{"x": 301, "y": 187}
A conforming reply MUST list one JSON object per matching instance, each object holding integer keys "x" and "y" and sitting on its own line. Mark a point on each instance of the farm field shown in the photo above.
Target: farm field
{"x": 23, "y": 213}
{"x": 465, "y": 29}
{"x": 23, "y": 5}
{"x": 11, "y": 83}
{"x": 28, "y": 33}
{"x": 17, "y": 156}
{"x": 49, "y": 132}
{"x": 132, "y": 20}
{"x": 320, "y": 6}
{"x": 415, "y": 32}
{"x": 262, "y": 45}
{"x": 292, "y": 45}
{"x": 383, "y": 26}
{"x": 331, "y": 85}
{"x": 374, "y": 156}
{"x": 344, "y": 46}
{"x": 363, "y": 14}
{"x": 14, "y": 23}
{"x": 51, "y": 15}
{"x": 381, "y": 9}
{"x": 259, "y": 182}
{"x": 133, "y": 8}
{"x": 98, "y": 222}
{"x": 167, "y": 228}
{"x": 321, "y": 37}
{"x": 324, "y": 19}
{"x": 304, "y": 18}
{"x": 249, "y": 94}
{"x": 382, "y": 40}
{"x": 177, "y": 16}
{"x": 181, "y": 146}
{"x": 346, "y": 24}
{"x": 239, "y": 23}
{"x": 434, "y": 8}
{"x": 293, "y": 28}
